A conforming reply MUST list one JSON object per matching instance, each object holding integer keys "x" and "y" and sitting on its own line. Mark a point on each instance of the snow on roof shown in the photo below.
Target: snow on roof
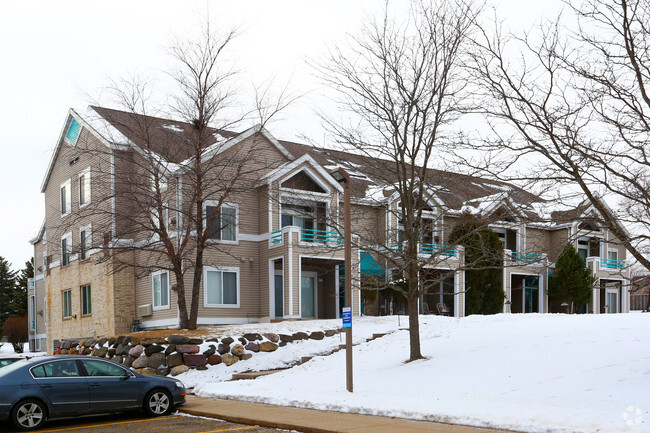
{"x": 103, "y": 127}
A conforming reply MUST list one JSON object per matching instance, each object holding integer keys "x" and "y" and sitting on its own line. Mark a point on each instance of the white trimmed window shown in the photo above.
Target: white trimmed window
{"x": 66, "y": 302}
{"x": 162, "y": 182}
{"x": 73, "y": 132}
{"x": 160, "y": 287}
{"x": 86, "y": 300}
{"x": 221, "y": 287}
{"x": 612, "y": 254}
{"x": 155, "y": 237}
{"x": 221, "y": 223}
{"x": 84, "y": 187}
{"x": 85, "y": 241}
{"x": 66, "y": 198}
{"x": 66, "y": 249}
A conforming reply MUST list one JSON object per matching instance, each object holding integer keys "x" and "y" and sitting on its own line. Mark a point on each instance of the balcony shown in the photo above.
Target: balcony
{"x": 612, "y": 264}
{"x": 442, "y": 250}
{"x": 428, "y": 249}
{"x": 525, "y": 258}
{"x": 311, "y": 235}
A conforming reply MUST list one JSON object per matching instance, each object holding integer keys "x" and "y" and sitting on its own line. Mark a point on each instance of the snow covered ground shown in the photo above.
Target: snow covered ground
{"x": 534, "y": 373}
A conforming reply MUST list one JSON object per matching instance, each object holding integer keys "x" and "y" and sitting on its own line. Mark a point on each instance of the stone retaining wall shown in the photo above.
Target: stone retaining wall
{"x": 176, "y": 354}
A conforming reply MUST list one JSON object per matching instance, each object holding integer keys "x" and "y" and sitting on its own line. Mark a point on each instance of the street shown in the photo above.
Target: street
{"x": 127, "y": 422}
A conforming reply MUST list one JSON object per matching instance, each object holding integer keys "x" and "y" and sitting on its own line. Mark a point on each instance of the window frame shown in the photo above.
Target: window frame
{"x": 221, "y": 270}
{"x": 67, "y": 293}
{"x": 227, "y": 205}
{"x": 155, "y": 237}
{"x": 153, "y": 291}
{"x": 68, "y": 249}
{"x": 68, "y": 198}
{"x": 612, "y": 250}
{"x": 86, "y": 304}
{"x": 87, "y": 190}
{"x": 67, "y": 132}
{"x": 86, "y": 242}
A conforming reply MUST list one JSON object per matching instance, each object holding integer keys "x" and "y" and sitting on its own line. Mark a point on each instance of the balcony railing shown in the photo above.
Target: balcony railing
{"x": 442, "y": 250}
{"x": 276, "y": 237}
{"x": 322, "y": 236}
{"x": 526, "y": 258}
{"x": 311, "y": 235}
{"x": 612, "y": 264}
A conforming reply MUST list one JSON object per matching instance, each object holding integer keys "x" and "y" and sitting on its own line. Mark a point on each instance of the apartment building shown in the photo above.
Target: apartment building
{"x": 276, "y": 249}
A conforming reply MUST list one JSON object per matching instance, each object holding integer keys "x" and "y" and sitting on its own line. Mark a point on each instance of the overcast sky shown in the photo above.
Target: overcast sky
{"x": 61, "y": 54}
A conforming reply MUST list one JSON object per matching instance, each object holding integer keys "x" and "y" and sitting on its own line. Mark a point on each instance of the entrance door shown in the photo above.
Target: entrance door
{"x": 279, "y": 293}
{"x": 308, "y": 294}
{"x": 612, "y": 301}
{"x": 531, "y": 295}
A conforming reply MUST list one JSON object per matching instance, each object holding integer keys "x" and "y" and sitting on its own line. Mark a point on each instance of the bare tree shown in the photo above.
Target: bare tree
{"x": 403, "y": 86}
{"x": 163, "y": 196}
{"x": 572, "y": 107}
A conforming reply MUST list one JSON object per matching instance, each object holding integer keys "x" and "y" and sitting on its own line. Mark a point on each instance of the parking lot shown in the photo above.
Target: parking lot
{"x": 128, "y": 422}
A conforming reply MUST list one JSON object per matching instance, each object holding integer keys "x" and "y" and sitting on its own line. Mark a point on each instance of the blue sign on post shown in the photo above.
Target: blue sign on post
{"x": 347, "y": 317}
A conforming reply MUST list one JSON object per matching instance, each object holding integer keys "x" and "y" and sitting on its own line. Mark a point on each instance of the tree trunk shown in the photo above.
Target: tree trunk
{"x": 180, "y": 293}
{"x": 414, "y": 318}
{"x": 196, "y": 289}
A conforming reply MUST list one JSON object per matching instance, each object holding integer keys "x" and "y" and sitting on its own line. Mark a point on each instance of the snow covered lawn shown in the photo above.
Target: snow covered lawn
{"x": 536, "y": 373}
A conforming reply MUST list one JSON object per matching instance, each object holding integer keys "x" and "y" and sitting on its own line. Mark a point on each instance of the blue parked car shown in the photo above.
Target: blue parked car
{"x": 31, "y": 391}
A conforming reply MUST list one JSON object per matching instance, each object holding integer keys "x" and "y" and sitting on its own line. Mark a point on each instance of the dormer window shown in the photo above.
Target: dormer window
{"x": 73, "y": 132}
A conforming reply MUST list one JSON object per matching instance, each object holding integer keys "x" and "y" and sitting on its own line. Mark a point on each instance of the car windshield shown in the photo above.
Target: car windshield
{"x": 12, "y": 367}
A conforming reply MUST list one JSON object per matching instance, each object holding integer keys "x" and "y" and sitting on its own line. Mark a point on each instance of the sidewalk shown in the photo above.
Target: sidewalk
{"x": 314, "y": 421}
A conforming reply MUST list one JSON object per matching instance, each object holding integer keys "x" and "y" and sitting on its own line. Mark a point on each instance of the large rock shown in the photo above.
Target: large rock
{"x": 286, "y": 338}
{"x": 196, "y": 340}
{"x": 243, "y": 341}
{"x": 194, "y": 360}
{"x": 102, "y": 341}
{"x": 268, "y": 346}
{"x": 178, "y": 339}
{"x": 170, "y": 349}
{"x": 111, "y": 341}
{"x": 179, "y": 369}
{"x": 72, "y": 351}
{"x": 88, "y": 343}
{"x": 228, "y": 341}
{"x": 119, "y": 340}
{"x": 223, "y": 348}
{"x": 237, "y": 350}
{"x": 282, "y": 343}
{"x": 300, "y": 336}
{"x": 128, "y": 361}
{"x": 187, "y": 348}
{"x": 229, "y": 359}
{"x": 153, "y": 348}
{"x": 174, "y": 359}
{"x": 331, "y": 332}
{"x": 101, "y": 352}
{"x": 164, "y": 371}
{"x": 253, "y": 347}
{"x": 253, "y": 336}
{"x": 214, "y": 359}
{"x": 145, "y": 370}
{"x": 135, "y": 340}
{"x": 66, "y": 345}
{"x": 140, "y": 362}
{"x": 111, "y": 352}
{"x": 122, "y": 349}
{"x": 317, "y": 335}
{"x": 86, "y": 351}
{"x": 156, "y": 360}
{"x": 136, "y": 351}
{"x": 64, "y": 351}
{"x": 272, "y": 337}
{"x": 146, "y": 342}
{"x": 118, "y": 358}
{"x": 127, "y": 339}
{"x": 246, "y": 356}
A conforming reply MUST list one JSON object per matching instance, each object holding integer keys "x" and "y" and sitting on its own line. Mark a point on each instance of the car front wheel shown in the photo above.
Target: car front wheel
{"x": 158, "y": 402}
{"x": 28, "y": 415}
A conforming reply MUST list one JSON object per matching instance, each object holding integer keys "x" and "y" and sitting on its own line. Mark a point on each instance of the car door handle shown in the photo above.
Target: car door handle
{"x": 47, "y": 386}
{"x": 94, "y": 384}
